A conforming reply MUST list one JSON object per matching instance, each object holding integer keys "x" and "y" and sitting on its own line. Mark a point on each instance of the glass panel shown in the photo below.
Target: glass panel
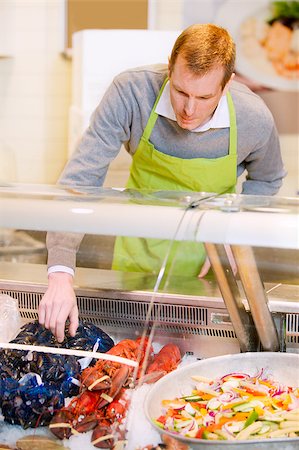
{"x": 195, "y": 318}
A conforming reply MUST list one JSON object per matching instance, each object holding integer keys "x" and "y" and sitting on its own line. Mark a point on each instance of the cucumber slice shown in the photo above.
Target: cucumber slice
{"x": 192, "y": 398}
{"x": 243, "y": 407}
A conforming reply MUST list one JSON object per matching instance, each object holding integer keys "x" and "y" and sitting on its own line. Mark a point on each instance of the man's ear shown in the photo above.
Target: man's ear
{"x": 226, "y": 87}
{"x": 168, "y": 71}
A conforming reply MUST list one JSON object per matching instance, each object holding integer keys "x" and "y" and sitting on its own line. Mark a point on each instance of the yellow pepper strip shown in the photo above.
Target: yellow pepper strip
{"x": 217, "y": 426}
{"x": 207, "y": 396}
{"x": 173, "y": 403}
{"x": 232, "y": 404}
{"x": 242, "y": 393}
{"x": 287, "y": 400}
{"x": 267, "y": 383}
{"x": 239, "y": 416}
{"x": 259, "y": 411}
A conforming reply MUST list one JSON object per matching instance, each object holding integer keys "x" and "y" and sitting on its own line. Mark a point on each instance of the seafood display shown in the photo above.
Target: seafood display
{"x": 103, "y": 402}
{"x": 110, "y": 376}
{"x": 33, "y": 385}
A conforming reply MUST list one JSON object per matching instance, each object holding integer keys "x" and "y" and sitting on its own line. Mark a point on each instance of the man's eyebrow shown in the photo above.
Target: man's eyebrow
{"x": 198, "y": 96}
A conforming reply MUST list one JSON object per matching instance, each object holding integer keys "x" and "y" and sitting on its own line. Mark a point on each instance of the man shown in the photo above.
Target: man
{"x": 188, "y": 127}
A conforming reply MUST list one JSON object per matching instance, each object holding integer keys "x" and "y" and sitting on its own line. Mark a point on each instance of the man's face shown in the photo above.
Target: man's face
{"x": 194, "y": 98}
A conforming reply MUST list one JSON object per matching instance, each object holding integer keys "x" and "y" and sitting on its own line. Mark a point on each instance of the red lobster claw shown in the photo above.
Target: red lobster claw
{"x": 165, "y": 361}
{"x": 102, "y": 437}
{"x": 61, "y": 424}
{"x": 118, "y": 380}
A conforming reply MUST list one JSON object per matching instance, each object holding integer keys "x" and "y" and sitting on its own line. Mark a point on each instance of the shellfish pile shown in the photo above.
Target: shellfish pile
{"x": 33, "y": 385}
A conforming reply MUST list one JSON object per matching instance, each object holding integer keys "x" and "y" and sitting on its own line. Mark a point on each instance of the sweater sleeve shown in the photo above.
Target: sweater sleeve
{"x": 100, "y": 144}
{"x": 265, "y": 169}
{"x": 62, "y": 248}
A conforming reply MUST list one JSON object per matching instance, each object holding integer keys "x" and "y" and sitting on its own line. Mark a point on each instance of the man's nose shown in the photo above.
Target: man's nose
{"x": 189, "y": 106}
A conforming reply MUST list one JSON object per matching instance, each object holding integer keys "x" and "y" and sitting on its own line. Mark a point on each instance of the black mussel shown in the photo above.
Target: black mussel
{"x": 93, "y": 335}
{"x": 31, "y": 404}
{"x": 37, "y": 398}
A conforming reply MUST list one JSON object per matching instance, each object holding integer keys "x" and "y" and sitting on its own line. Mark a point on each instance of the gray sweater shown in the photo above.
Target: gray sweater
{"x": 121, "y": 117}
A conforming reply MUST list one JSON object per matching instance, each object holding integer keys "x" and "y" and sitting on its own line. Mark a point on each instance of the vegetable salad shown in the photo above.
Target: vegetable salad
{"x": 236, "y": 406}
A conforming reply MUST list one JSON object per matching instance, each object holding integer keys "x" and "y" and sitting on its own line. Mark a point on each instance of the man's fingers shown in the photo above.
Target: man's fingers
{"x": 53, "y": 316}
{"x": 60, "y": 323}
{"x": 45, "y": 311}
{"x": 57, "y": 304}
{"x": 59, "y": 331}
{"x": 59, "y": 317}
{"x": 207, "y": 265}
{"x": 205, "y": 268}
{"x": 74, "y": 321}
{"x": 41, "y": 313}
{"x": 231, "y": 259}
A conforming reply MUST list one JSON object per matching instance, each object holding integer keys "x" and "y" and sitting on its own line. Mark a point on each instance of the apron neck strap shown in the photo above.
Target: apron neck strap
{"x": 233, "y": 125}
{"x": 153, "y": 116}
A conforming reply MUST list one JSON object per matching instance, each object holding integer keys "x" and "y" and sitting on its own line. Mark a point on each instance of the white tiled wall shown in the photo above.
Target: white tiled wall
{"x": 34, "y": 94}
{"x": 35, "y": 87}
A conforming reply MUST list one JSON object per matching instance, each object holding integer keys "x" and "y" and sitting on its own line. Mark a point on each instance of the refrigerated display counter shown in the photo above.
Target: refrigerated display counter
{"x": 255, "y": 309}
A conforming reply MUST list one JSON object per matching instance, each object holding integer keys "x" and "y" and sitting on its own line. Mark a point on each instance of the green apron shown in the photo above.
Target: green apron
{"x": 153, "y": 170}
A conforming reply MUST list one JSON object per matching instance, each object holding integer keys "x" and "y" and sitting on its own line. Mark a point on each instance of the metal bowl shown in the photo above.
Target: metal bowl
{"x": 283, "y": 366}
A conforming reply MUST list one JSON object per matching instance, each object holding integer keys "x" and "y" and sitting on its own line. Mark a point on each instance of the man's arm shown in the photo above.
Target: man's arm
{"x": 265, "y": 167}
{"x": 100, "y": 144}
{"x": 59, "y": 301}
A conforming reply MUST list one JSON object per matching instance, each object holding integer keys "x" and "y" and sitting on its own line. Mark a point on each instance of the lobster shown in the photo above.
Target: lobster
{"x": 109, "y": 376}
{"x": 102, "y": 403}
{"x": 82, "y": 415}
{"x": 95, "y": 407}
{"x": 108, "y": 430}
{"x": 164, "y": 362}
{"x": 67, "y": 420}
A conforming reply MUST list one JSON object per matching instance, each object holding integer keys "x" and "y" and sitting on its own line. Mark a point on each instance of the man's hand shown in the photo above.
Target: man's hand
{"x": 207, "y": 265}
{"x": 59, "y": 303}
{"x": 205, "y": 268}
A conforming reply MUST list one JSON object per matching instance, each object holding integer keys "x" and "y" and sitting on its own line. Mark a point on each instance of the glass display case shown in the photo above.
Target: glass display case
{"x": 251, "y": 305}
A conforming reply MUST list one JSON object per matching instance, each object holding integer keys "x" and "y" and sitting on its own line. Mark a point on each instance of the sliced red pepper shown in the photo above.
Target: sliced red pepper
{"x": 199, "y": 433}
{"x": 253, "y": 392}
{"x": 161, "y": 419}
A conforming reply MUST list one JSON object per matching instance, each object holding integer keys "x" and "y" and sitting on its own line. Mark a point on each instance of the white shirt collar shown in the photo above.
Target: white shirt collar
{"x": 220, "y": 118}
